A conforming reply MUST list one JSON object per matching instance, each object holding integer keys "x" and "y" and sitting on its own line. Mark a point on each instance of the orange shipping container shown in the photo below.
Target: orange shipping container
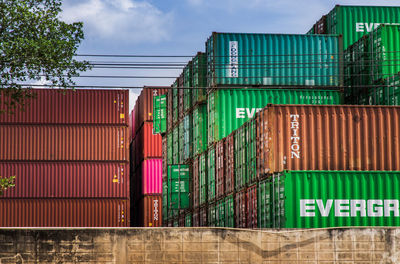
{"x": 66, "y": 143}
{"x": 300, "y": 137}
{"x": 64, "y": 213}
{"x": 150, "y": 210}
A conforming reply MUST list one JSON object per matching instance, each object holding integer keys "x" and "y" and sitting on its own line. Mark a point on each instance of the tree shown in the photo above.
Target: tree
{"x": 6, "y": 183}
{"x": 35, "y": 45}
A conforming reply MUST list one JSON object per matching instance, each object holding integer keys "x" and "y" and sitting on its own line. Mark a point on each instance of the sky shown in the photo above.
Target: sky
{"x": 179, "y": 28}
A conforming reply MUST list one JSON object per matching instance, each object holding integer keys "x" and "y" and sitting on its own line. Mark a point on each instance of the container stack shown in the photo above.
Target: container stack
{"x": 68, "y": 151}
{"x": 146, "y": 158}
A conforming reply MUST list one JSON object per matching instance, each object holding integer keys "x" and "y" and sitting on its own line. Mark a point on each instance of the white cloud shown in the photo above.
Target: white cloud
{"x": 132, "y": 99}
{"x": 126, "y": 20}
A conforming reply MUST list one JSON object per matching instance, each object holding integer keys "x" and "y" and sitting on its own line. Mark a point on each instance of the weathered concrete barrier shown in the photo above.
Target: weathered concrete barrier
{"x": 199, "y": 245}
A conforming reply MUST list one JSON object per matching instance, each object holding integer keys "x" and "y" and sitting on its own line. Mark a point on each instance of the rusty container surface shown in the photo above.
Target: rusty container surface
{"x": 150, "y": 211}
{"x": 64, "y": 143}
{"x": 196, "y": 217}
{"x": 203, "y": 216}
{"x": 148, "y": 145}
{"x": 220, "y": 169}
{"x": 229, "y": 164}
{"x": 58, "y": 106}
{"x": 144, "y": 104}
{"x": 300, "y": 137}
{"x": 251, "y": 206}
{"x": 181, "y": 220}
{"x": 196, "y": 183}
{"x": 64, "y": 213}
{"x": 66, "y": 179}
{"x": 240, "y": 209}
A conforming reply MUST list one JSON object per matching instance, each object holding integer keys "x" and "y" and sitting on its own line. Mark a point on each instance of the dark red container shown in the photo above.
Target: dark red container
{"x": 151, "y": 211}
{"x": 66, "y": 180}
{"x": 64, "y": 213}
{"x": 64, "y": 143}
{"x": 251, "y": 201}
{"x": 240, "y": 209}
{"x": 144, "y": 104}
{"x": 58, "y": 106}
{"x": 196, "y": 217}
{"x": 229, "y": 165}
{"x": 196, "y": 183}
{"x": 147, "y": 145}
{"x": 220, "y": 169}
{"x": 203, "y": 216}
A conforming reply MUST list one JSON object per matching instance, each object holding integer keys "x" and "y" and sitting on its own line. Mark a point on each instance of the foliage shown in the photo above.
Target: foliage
{"x": 35, "y": 45}
{"x": 6, "y": 183}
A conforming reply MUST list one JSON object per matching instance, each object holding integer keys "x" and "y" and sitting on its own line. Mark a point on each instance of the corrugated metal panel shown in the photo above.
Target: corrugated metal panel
{"x": 211, "y": 174}
{"x": 220, "y": 169}
{"x": 152, "y": 176}
{"x": 200, "y": 129}
{"x": 229, "y": 211}
{"x": 303, "y": 137}
{"x": 353, "y": 22}
{"x": 67, "y": 180}
{"x": 312, "y": 199}
{"x": 230, "y": 164}
{"x": 66, "y": 143}
{"x": 160, "y": 114}
{"x": 169, "y": 110}
{"x": 148, "y": 145}
{"x": 211, "y": 220}
{"x": 132, "y": 128}
{"x": 199, "y": 69}
{"x": 64, "y": 213}
{"x": 203, "y": 178}
{"x": 264, "y": 201}
{"x": 188, "y": 220}
{"x": 181, "y": 141}
{"x": 196, "y": 217}
{"x": 229, "y": 109}
{"x": 151, "y": 210}
{"x": 187, "y": 82}
{"x": 220, "y": 213}
{"x": 144, "y": 104}
{"x": 273, "y": 59}
{"x": 59, "y": 106}
{"x": 203, "y": 216}
{"x": 251, "y": 207}
{"x": 240, "y": 209}
{"x": 196, "y": 183}
{"x": 188, "y": 137}
{"x": 175, "y": 144}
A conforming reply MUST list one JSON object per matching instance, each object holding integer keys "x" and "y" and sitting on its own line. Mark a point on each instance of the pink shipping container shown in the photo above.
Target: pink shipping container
{"x": 66, "y": 180}
{"x": 64, "y": 143}
{"x": 251, "y": 200}
{"x": 151, "y": 176}
{"x": 58, "y": 106}
{"x": 144, "y": 104}
{"x": 64, "y": 213}
{"x": 147, "y": 144}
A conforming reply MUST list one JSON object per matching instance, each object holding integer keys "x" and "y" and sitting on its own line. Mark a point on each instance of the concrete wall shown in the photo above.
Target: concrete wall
{"x": 199, "y": 245}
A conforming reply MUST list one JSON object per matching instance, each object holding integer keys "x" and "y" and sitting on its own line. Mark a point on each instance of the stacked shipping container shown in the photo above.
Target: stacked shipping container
{"x": 69, "y": 154}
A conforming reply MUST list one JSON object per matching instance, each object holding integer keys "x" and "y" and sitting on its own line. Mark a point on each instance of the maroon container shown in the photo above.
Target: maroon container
{"x": 196, "y": 217}
{"x": 196, "y": 183}
{"x": 67, "y": 180}
{"x": 144, "y": 104}
{"x": 203, "y": 216}
{"x": 58, "y": 106}
{"x": 240, "y": 209}
{"x": 251, "y": 201}
{"x": 220, "y": 169}
{"x": 147, "y": 144}
{"x": 229, "y": 165}
{"x": 64, "y": 213}
{"x": 151, "y": 211}
{"x": 64, "y": 143}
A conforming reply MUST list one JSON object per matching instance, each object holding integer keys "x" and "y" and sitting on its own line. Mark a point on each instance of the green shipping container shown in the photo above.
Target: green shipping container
{"x": 264, "y": 219}
{"x": 200, "y": 129}
{"x": 178, "y": 187}
{"x": 353, "y": 22}
{"x": 211, "y": 173}
{"x": 199, "y": 69}
{"x": 188, "y": 136}
{"x": 175, "y": 145}
{"x": 211, "y": 217}
{"x": 160, "y": 114}
{"x": 165, "y": 208}
{"x": 220, "y": 213}
{"x": 188, "y": 220}
{"x": 181, "y": 142}
{"x": 187, "y": 83}
{"x": 229, "y": 211}
{"x": 229, "y": 109}
{"x": 313, "y": 199}
{"x": 203, "y": 178}
{"x": 170, "y": 151}
{"x": 273, "y": 59}
{"x": 175, "y": 103}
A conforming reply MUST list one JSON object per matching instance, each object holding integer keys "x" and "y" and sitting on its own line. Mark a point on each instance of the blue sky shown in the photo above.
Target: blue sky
{"x": 180, "y": 27}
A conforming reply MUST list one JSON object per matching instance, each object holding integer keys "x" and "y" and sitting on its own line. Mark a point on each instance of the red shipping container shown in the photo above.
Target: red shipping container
{"x": 132, "y": 128}
{"x": 59, "y": 106}
{"x": 150, "y": 211}
{"x": 64, "y": 213}
{"x": 66, "y": 180}
{"x": 148, "y": 145}
{"x": 229, "y": 164}
{"x": 64, "y": 143}
{"x": 240, "y": 209}
{"x": 144, "y": 104}
{"x": 151, "y": 176}
{"x": 337, "y": 137}
{"x": 220, "y": 169}
{"x": 203, "y": 216}
{"x": 196, "y": 183}
{"x": 251, "y": 201}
